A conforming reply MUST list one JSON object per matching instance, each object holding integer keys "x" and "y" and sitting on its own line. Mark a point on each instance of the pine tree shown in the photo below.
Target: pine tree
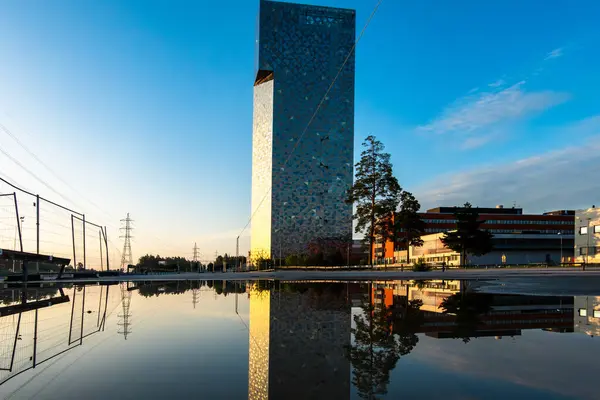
{"x": 375, "y": 193}
{"x": 468, "y": 238}
{"x": 408, "y": 221}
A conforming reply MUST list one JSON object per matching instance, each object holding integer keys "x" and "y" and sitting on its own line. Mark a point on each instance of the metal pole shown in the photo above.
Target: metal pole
{"x": 100, "y": 239}
{"x": 37, "y": 222}
{"x": 236, "y": 298}
{"x": 12, "y": 359}
{"x": 72, "y": 312}
{"x": 561, "y": 249}
{"x": 82, "y": 315}
{"x": 35, "y": 330}
{"x": 237, "y": 253}
{"x": 18, "y": 221}
{"x": 73, "y": 237}
{"x": 99, "y": 306}
{"x": 105, "y": 307}
{"x": 84, "y": 260}
{"x": 106, "y": 248}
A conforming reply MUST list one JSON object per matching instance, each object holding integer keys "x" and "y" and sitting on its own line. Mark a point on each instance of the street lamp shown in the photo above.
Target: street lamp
{"x": 561, "y": 248}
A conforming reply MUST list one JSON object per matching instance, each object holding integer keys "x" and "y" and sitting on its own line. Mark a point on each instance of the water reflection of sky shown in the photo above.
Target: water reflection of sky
{"x": 193, "y": 344}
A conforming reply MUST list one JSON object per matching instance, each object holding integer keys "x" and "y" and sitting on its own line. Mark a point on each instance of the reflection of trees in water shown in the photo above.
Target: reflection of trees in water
{"x": 10, "y": 296}
{"x": 468, "y": 307}
{"x": 381, "y": 336}
{"x": 180, "y": 287}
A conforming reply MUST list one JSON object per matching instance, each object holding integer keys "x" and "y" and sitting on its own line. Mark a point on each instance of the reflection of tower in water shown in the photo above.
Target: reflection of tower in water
{"x": 124, "y": 322}
{"x": 298, "y": 342}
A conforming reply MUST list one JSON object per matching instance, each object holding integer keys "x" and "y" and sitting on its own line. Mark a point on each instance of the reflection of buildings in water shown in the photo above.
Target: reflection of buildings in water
{"x": 586, "y": 313}
{"x": 38, "y": 324}
{"x": 298, "y": 344}
{"x": 258, "y": 352}
{"x": 506, "y": 315}
{"x": 432, "y": 292}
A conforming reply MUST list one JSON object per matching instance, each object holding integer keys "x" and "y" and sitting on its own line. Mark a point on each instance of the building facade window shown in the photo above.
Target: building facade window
{"x": 596, "y": 313}
{"x": 583, "y": 230}
{"x": 597, "y": 229}
{"x": 582, "y": 312}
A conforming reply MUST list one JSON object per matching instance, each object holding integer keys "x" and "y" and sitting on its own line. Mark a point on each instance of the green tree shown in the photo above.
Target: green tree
{"x": 407, "y": 223}
{"x": 381, "y": 336}
{"x": 468, "y": 238}
{"x": 374, "y": 352}
{"x": 375, "y": 192}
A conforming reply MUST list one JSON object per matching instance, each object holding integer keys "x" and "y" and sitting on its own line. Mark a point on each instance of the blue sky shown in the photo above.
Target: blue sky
{"x": 146, "y": 106}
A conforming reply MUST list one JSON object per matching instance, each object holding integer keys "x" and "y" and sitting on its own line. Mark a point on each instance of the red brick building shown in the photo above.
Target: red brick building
{"x": 498, "y": 220}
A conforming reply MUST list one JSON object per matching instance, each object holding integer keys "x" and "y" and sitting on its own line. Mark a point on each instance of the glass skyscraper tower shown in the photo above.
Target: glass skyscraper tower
{"x": 302, "y": 159}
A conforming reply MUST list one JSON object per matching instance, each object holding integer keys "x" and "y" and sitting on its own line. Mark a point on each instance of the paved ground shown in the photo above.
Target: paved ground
{"x": 479, "y": 274}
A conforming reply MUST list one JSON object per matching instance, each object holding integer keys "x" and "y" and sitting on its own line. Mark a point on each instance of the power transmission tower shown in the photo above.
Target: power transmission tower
{"x": 124, "y": 323}
{"x": 126, "y": 257}
{"x": 196, "y": 252}
{"x": 195, "y": 261}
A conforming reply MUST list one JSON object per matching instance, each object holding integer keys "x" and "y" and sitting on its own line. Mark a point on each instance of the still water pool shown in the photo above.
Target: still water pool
{"x": 295, "y": 340}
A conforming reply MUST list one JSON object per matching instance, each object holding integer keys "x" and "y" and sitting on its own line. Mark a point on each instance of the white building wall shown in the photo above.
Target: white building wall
{"x": 586, "y": 315}
{"x": 587, "y": 235}
{"x": 262, "y": 170}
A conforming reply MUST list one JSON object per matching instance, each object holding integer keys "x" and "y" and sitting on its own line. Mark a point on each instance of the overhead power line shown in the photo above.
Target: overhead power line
{"x": 32, "y": 154}
{"x": 38, "y": 178}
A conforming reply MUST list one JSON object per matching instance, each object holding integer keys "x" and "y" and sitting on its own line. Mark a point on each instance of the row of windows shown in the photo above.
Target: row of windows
{"x": 583, "y": 313}
{"x": 503, "y": 221}
{"x": 584, "y": 229}
{"x": 529, "y": 222}
{"x": 543, "y": 231}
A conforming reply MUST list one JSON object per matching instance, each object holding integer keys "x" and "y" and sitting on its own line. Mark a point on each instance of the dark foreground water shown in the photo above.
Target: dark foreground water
{"x": 291, "y": 340}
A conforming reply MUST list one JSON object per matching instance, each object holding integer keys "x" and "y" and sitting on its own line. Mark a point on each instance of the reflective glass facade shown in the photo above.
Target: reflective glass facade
{"x": 303, "y": 165}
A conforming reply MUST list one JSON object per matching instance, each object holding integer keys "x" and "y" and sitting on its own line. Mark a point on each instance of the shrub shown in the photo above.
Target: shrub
{"x": 420, "y": 266}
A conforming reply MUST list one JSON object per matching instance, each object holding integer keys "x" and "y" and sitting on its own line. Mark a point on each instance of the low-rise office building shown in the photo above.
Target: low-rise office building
{"x": 540, "y": 235}
{"x": 587, "y": 236}
{"x": 508, "y": 249}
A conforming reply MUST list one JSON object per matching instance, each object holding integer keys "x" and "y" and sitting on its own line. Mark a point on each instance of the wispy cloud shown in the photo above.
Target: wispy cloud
{"x": 564, "y": 178}
{"x": 498, "y": 106}
{"x": 472, "y": 114}
{"x": 474, "y": 142}
{"x": 559, "y": 52}
{"x": 498, "y": 83}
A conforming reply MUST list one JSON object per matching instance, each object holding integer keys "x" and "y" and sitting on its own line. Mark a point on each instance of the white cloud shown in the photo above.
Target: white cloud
{"x": 484, "y": 110}
{"x": 474, "y": 142}
{"x": 559, "y": 52}
{"x": 558, "y": 179}
{"x": 498, "y": 83}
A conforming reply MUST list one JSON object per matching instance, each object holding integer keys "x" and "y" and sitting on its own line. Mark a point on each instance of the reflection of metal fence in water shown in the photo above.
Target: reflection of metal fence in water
{"x": 33, "y": 332}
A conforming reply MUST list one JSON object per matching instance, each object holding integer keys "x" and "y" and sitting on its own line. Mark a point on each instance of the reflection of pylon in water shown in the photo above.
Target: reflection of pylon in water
{"x": 124, "y": 323}
{"x": 195, "y": 297}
